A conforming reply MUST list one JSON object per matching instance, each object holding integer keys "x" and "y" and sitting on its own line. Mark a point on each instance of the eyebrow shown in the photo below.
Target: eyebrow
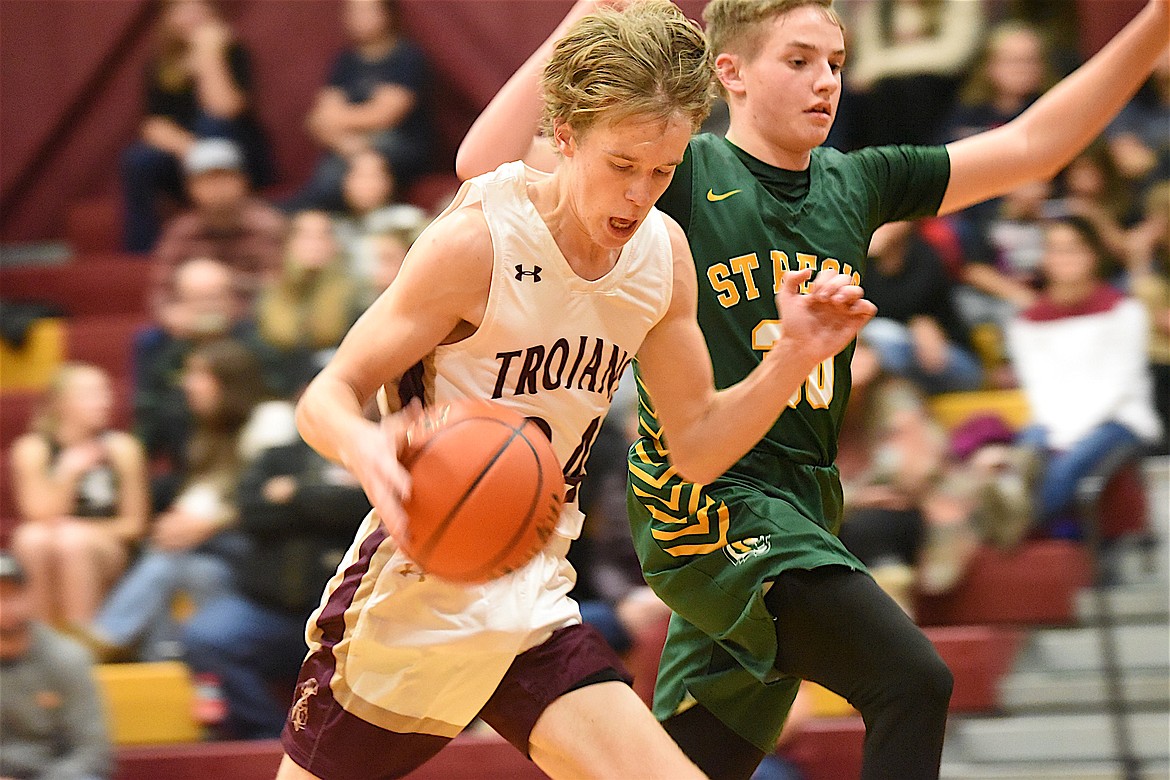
{"x": 812, "y": 48}
{"x": 626, "y": 157}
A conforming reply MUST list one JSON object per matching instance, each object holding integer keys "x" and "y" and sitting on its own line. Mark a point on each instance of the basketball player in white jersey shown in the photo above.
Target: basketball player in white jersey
{"x": 535, "y": 290}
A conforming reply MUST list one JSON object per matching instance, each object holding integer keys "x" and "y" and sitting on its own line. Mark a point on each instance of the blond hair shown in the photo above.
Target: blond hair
{"x": 648, "y": 60}
{"x": 47, "y": 420}
{"x": 737, "y": 26}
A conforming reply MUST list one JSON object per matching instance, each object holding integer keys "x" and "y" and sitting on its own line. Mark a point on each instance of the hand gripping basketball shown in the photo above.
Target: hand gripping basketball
{"x": 486, "y": 490}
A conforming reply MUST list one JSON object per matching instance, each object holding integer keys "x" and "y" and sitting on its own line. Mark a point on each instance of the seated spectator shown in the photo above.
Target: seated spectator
{"x": 53, "y": 723}
{"x": 1013, "y": 69}
{"x": 1137, "y": 139}
{"x": 1093, "y": 187}
{"x": 1148, "y": 272}
{"x": 198, "y": 85}
{"x": 201, "y": 307}
{"x": 225, "y": 222}
{"x": 375, "y": 98}
{"x": 299, "y": 513}
{"x": 1003, "y": 266}
{"x": 304, "y": 314}
{"x": 82, "y": 493}
{"x": 1081, "y": 356}
{"x": 389, "y": 248}
{"x": 918, "y": 333}
{"x": 368, "y": 191}
{"x": 195, "y": 544}
{"x": 905, "y": 64}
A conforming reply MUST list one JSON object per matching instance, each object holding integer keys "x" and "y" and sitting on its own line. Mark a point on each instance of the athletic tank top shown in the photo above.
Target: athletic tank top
{"x": 552, "y": 345}
{"x": 97, "y": 488}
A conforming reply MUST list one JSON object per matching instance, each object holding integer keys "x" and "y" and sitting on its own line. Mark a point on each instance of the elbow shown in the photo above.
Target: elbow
{"x": 466, "y": 166}
{"x": 695, "y": 466}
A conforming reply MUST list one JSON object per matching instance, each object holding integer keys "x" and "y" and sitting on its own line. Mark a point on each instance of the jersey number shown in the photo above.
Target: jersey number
{"x": 574, "y": 469}
{"x": 818, "y": 388}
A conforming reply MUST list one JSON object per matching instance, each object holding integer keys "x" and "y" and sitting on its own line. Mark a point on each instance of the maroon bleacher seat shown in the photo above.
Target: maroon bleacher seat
{"x": 1036, "y": 583}
{"x": 102, "y": 284}
{"x": 827, "y": 748}
{"x": 105, "y": 341}
{"x": 978, "y": 657}
{"x": 94, "y": 225}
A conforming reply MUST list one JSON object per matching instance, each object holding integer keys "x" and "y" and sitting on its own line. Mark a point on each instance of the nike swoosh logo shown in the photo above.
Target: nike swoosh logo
{"x": 711, "y": 196}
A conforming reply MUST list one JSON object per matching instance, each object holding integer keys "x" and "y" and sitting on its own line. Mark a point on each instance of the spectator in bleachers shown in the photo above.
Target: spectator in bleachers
{"x": 201, "y": 307}
{"x": 908, "y": 509}
{"x": 390, "y": 247}
{"x": 52, "y": 726}
{"x": 368, "y": 209}
{"x": 918, "y": 333}
{"x": 1093, "y": 187}
{"x": 1138, "y": 138}
{"x": 1147, "y": 262}
{"x": 299, "y": 513}
{"x": 375, "y": 98}
{"x": 1003, "y": 267}
{"x": 1081, "y": 356}
{"x": 198, "y": 85}
{"x": 225, "y": 222}
{"x": 905, "y": 63}
{"x": 194, "y": 543}
{"x": 81, "y": 489}
{"x": 304, "y": 314}
{"x": 1013, "y": 69}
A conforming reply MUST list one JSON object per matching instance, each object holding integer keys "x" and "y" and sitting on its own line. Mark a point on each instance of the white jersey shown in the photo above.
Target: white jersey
{"x": 552, "y": 345}
{"x": 413, "y": 653}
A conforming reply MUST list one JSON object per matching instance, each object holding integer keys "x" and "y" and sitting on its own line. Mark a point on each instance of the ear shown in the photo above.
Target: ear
{"x": 727, "y": 69}
{"x": 565, "y": 139}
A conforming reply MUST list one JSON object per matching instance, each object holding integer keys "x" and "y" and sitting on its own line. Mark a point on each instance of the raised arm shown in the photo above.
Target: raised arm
{"x": 508, "y": 127}
{"x": 1046, "y": 137}
{"x": 707, "y": 430}
{"x": 443, "y": 283}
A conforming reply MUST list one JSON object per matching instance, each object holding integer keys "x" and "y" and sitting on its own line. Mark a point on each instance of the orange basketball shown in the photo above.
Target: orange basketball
{"x": 486, "y": 490}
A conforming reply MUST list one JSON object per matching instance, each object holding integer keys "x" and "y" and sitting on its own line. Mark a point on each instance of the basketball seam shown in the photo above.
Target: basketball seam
{"x": 441, "y": 527}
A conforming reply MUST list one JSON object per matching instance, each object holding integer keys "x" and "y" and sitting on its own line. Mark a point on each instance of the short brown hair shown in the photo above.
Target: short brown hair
{"x": 646, "y": 60}
{"x": 736, "y": 25}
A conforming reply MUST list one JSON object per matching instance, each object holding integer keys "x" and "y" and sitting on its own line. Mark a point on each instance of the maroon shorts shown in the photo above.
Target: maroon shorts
{"x": 332, "y": 744}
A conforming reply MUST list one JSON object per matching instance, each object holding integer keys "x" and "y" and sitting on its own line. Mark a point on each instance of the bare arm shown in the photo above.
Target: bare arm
{"x": 167, "y": 135}
{"x": 129, "y": 459}
{"x": 708, "y": 430}
{"x": 507, "y": 128}
{"x": 1043, "y": 139}
{"x": 443, "y": 283}
{"x": 218, "y": 92}
{"x": 385, "y": 109}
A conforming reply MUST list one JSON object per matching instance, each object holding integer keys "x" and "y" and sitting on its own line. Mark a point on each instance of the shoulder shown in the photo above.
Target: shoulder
{"x": 63, "y": 656}
{"x": 31, "y": 450}
{"x": 124, "y": 448}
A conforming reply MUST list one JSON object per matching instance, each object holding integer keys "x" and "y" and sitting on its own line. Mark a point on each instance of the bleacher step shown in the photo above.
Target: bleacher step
{"x": 1064, "y": 738}
{"x": 1141, "y": 646}
{"x": 1030, "y": 692}
{"x": 1130, "y": 602}
{"x": 1157, "y": 770}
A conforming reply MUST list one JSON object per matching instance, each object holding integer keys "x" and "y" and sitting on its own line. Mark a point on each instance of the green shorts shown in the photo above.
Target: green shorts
{"x": 710, "y": 552}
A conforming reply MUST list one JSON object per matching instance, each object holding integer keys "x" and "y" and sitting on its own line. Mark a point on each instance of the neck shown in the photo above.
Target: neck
{"x": 754, "y": 143}
{"x": 376, "y": 49}
{"x": 555, "y": 206}
{"x": 1071, "y": 293}
{"x": 72, "y": 433}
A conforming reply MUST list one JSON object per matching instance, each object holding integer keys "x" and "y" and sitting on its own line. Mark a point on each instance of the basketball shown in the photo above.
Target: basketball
{"x": 486, "y": 490}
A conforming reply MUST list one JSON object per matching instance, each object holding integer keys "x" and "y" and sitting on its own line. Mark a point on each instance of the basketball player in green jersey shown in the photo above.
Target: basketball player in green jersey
{"x": 763, "y": 593}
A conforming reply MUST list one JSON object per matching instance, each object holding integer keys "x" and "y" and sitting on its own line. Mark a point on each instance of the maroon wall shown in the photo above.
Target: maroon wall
{"x": 58, "y": 55}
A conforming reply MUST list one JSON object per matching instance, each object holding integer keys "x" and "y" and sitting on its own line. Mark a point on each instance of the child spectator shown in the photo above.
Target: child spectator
{"x": 83, "y": 497}
{"x": 225, "y": 222}
{"x": 375, "y": 98}
{"x": 194, "y": 544}
{"x": 918, "y": 333}
{"x": 51, "y": 719}
{"x": 304, "y": 314}
{"x": 198, "y": 85}
{"x": 299, "y": 513}
{"x": 1081, "y": 356}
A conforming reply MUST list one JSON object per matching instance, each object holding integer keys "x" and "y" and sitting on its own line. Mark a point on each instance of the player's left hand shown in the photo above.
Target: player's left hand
{"x": 827, "y": 318}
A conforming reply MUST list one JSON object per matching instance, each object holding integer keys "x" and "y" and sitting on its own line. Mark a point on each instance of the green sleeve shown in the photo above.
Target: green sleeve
{"x": 906, "y": 182}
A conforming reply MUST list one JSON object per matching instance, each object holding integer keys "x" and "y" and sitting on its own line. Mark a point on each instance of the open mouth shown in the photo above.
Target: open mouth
{"x": 622, "y": 225}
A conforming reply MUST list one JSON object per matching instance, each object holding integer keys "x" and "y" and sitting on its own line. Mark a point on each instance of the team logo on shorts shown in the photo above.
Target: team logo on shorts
{"x": 299, "y": 715}
{"x": 738, "y": 552}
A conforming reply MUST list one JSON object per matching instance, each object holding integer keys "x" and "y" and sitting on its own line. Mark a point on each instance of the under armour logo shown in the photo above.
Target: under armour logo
{"x": 534, "y": 273}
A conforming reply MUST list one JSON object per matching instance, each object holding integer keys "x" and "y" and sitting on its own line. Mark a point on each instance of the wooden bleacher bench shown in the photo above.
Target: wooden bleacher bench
{"x": 953, "y": 409}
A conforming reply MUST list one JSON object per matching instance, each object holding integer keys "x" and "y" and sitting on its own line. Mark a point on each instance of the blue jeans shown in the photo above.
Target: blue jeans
{"x": 139, "y": 609}
{"x": 1063, "y": 471}
{"x": 250, "y": 648}
{"x": 895, "y": 350}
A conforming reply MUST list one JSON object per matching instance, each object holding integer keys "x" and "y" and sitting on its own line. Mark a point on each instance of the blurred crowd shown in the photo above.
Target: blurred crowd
{"x": 207, "y": 532}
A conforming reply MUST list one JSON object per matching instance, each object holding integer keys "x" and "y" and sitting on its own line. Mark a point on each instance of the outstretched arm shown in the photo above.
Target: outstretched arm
{"x": 507, "y": 129}
{"x": 1043, "y": 139}
{"x": 706, "y": 430}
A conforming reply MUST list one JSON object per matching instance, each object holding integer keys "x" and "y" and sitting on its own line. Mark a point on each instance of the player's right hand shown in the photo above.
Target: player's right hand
{"x": 377, "y": 467}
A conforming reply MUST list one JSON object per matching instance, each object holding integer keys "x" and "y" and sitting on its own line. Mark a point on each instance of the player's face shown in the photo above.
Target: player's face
{"x": 791, "y": 87}
{"x": 618, "y": 170}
